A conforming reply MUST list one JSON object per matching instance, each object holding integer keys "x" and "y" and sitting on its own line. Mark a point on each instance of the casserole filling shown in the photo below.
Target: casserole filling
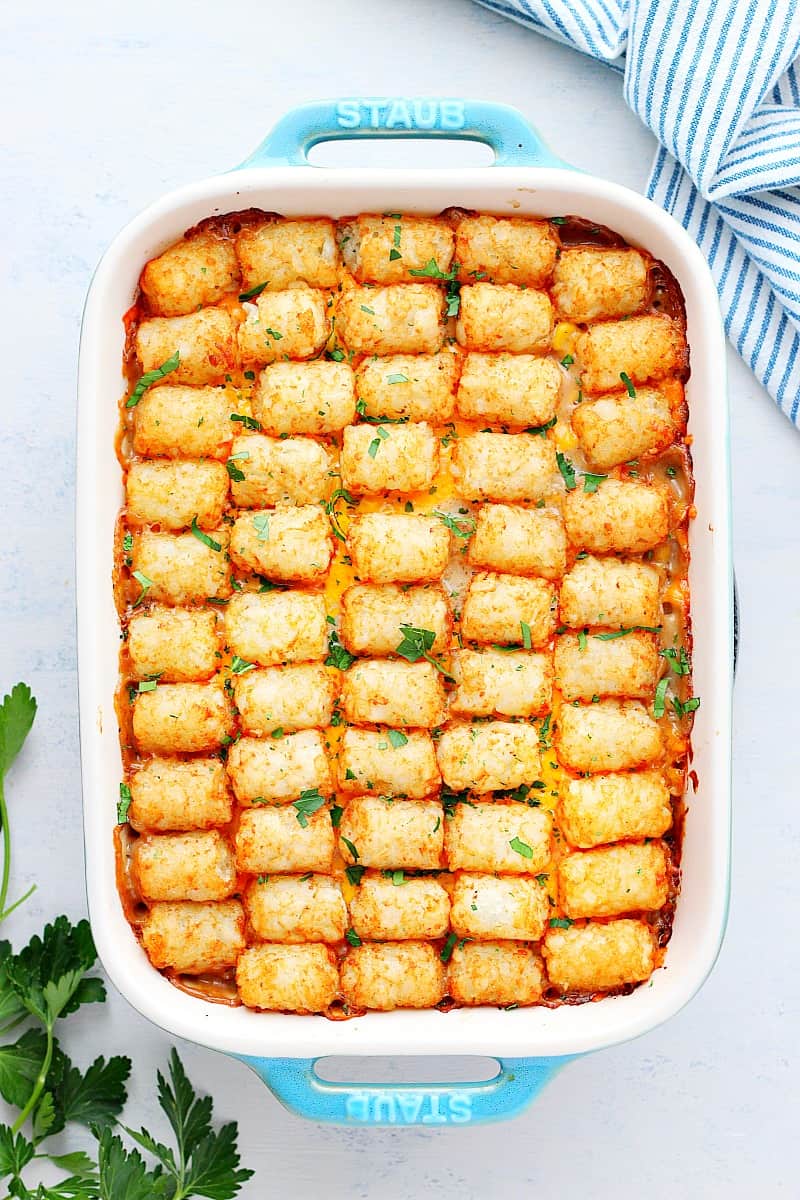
{"x": 405, "y": 694}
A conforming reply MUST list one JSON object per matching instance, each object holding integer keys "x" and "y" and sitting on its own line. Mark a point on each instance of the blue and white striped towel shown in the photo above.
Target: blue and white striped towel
{"x": 717, "y": 83}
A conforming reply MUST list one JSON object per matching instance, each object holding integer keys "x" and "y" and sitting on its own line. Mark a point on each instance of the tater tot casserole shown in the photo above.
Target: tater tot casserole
{"x": 405, "y": 697}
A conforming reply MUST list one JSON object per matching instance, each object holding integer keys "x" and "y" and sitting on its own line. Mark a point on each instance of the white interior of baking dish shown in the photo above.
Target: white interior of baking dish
{"x": 702, "y": 905}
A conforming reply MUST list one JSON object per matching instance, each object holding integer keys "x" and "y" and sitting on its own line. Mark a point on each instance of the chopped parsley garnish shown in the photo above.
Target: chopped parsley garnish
{"x": 248, "y": 422}
{"x": 629, "y": 388}
{"x": 394, "y": 253}
{"x": 353, "y": 937}
{"x": 150, "y": 377}
{"x": 236, "y": 474}
{"x": 337, "y": 355}
{"x": 544, "y": 732}
{"x": 354, "y": 874}
{"x": 618, "y": 633}
{"x": 204, "y": 537}
{"x": 145, "y": 585}
{"x": 261, "y": 526}
{"x": 526, "y": 634}
{"x": 123, "y": 803}
{"x": 398, "y": 878}
{"x": 431, "y": 270}
{"x": 397, "y": 738}
{"x": 560, "y": 922}
{"x": 691, "y": 705}
{"x": 273, "y": 333}
{"x": 353, "y": 851}
{"x": 397, "y": 377}
{"x": 520, "y": 847}
{"x": 542, "y": 429}
{"x": 361, "y": 409}
{"x": 450, "y": 436}
{"x": 239, "y": 666}
{"x": 310, "y": 802}
{"x": 567, "y": 360}
{"x": 127, "y": 543}
{"x": 337, "y": 655}
{"x": 330, "y": 508}
{"x": 446, "y": 952}
{"x": 678, "y": 659}
{"x": 147, "y": 685}
{"x": 374, "y": 447}
{"x": 253, "y": 292}
{"x": 416, "y": 644}
{"x": 671, "y": 472}
{"x": 365, "y": 308}
{"x": 567, "y": 470}
{"x": 558, "y": 220}
{"x": 542, "y": 878}
{"x": 336, "y": 815}
{"x": 277, "y": 733}
{"x": 592, "y": 482}
{"x": 661, "y": 691}
{"x": 452, "y": 524}
{"x": 582, "y": 639}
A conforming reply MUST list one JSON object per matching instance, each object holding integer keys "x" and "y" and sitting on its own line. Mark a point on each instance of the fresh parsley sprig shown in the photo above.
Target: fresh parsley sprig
{"x": 16, "y": 718}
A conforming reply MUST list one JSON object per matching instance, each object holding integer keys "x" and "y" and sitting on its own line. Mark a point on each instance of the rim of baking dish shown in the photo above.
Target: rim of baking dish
{"x": 702, "y": 905}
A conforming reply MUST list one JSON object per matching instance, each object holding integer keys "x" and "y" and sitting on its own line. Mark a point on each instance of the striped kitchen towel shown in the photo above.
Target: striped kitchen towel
{"x": 717, "y": 83}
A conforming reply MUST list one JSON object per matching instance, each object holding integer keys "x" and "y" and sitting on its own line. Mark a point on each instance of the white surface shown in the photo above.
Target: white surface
{"x": 111, "y": 106}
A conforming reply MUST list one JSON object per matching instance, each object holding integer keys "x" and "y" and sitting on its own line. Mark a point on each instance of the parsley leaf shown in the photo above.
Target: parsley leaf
{"x": 592, "y": 482}
{"x": 204, "y": 538}
{"x": 618, "y": 633}
{"x": 353, "y": 937}
{"x": 689, "y": 706}
{"x": 661, "y": 692}
{"x": 236, "y": 474}
{"x": 446, "y": 952}
{"x": 124, "y": 803}
{"x": 248, "y": 422}
{"x": 396, "y": 377}
{"x": 330, "y": 508}
{"x": 630, "y": 389}
{"x": 464, "y": 530}
{"x": 261, "y": 526}
{"x": 416, "y": 644}
{"x": 526, "y": 634}
{"x": 15, "y": 1152}
{"x": 521, "y": 848}
{"x": 311, "y": 800}
{"x": 337, "y": 655}
{"x": 567, "y": 471}
{"x": 123, "y": 1174}
{"x": 253, "y": 292}
{"x": 397, "y": 738}
{"x": 150, "y": 377}
{"x": 239, "y": 666}
{"x": 353, "y": 851}
{"x": 560, "y": 922}
{"x": 354, "y": 874}
{"x": 145, "y": 585}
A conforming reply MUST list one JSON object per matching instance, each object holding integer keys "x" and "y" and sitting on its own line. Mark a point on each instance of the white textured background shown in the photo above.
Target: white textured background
{"x": 104, "y": 106}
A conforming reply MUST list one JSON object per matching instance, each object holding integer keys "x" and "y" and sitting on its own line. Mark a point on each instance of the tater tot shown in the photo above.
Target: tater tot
{"x": 622, "y": 515}
{"x": 595, "y": 957}
{"x": 398, "y": 547}
{"x": 488, "y": 757}
{"x": 183, "y": 422}
{"x": 398, "y": 834}
{"x": 287, "y": 544}
{"x": 372, "y": 616}
{"x": 170, "y": 795}
{"x": 507, "y": 837}
{"x": 279, "y": 471}
{"x": 608, "y": 808}
{"x": 285, "y": 698}
{"x": 381, "y": 691}
{"x": 382, "y": 910}
{"x": 505, "y": 249}
{"x": 491, "y": 906}
{"x": 198, "y": 270}
{"x": 519, "y": 540}
{"x": 292, "y": 909}
{"x": 370, "y": 762}
{"x": 504, "y": 318}
{"x": 617, "y": 428}
{"x": 180, "y": 569}
{"x": 288, "y": 978}
{"x": 393, "y": 975}
{"x": 273, "y": 840}
{"x": 279, "y": 768}
{"x": 495, "y": 973}
{"x": 509, "y": 389}
{"x": 389, "y": 249}
{"x": 501, "y": 683}
{"x": 406, "y": 318}
{"x": 417, "y": 387}
{"x": 587, "y": 666}
{"x": 504, "y": 466}
{"x": 316, "y": 397}
{"x": 181, "y": 718}
{"x": 605, "y": 591}
{"x": 174, "y": 644}
{"x": 389, "y": 458}
{"x": 173, "y": 494}
{"x": 277, "y": 627}
{"x": 613, "y": 880}
{"x": 184, "y": 866}
{"x": 497, "y": 606}
{"x": 278, "y": 253}
{"x": 194, "y": 939}
{"x": 612, "y": 735}
{"x": 590, "y": 282}
{"x": 648, "y": 347}
{"x": 204, "y": 340}
{"x": 290, "y": 324}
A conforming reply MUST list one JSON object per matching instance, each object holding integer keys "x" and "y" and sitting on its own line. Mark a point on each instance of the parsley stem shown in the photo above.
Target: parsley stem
{"x": 38, "y": 1087}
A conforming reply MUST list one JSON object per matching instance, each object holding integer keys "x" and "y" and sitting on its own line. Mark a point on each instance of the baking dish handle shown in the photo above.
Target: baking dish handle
{"x": 295, "y": 1082}
{"x": 515, "y": 142}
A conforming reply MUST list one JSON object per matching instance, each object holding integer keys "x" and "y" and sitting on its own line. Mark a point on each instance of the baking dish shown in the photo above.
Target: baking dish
{"x": 530, "y": 1043}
